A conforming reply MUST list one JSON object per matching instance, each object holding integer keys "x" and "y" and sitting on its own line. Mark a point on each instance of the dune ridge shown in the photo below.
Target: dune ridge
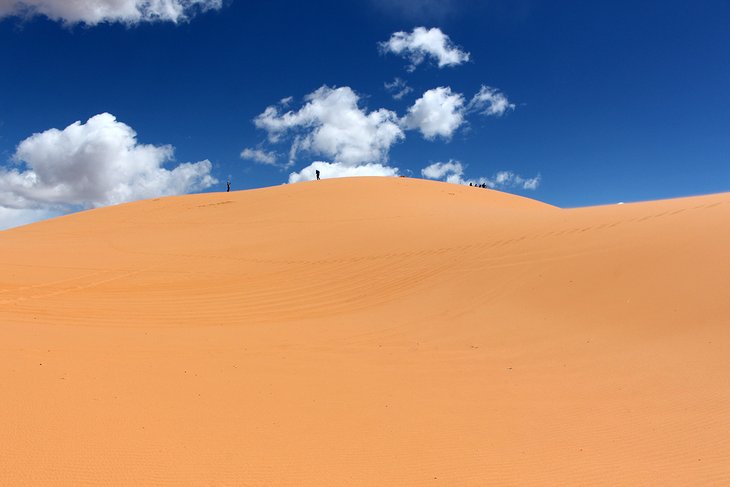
{"x": 367, "y": 331}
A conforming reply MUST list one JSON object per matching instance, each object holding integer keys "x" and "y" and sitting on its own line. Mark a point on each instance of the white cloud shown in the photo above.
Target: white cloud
{"x": 490, "y": 101}
{"x": 438, "y": 113}
{"x": 13, "y": 217}
{"x": 92, "y": 12}
{"x": 329, "y": 170}
{"x": 260, "y": 156}
{"x": 453, "y": 172}
{"x": 330, "y": 123}
{"x": 333, "y": 125}
{"x": 416, "y": 46}
{"x": 93, "y": 164}
{"x": 441, "y": 170}
{"x": 398, "y": 88}
{"x": 508, "y": 179}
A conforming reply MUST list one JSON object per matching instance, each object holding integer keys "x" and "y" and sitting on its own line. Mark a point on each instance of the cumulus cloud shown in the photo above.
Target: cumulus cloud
{"x": 332, "y": 124}
{"x": 443, "y": 170}
{"x": 423, "y": 43}
{"x": 438, "y": 113}
{"x": 398, "y": 88}
{"x": 490, "y": 101}
{"x": 331, "y": 170}
{"x": 92, "y": 12}
{"x": 453, "y": 172}
{"x": 93, "y": 164}
{"x": 508, "y": 179}
{"x": 260, "y": 156}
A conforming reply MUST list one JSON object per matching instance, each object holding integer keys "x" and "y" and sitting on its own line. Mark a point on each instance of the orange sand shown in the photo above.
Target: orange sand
{"x": 367, "y": 331}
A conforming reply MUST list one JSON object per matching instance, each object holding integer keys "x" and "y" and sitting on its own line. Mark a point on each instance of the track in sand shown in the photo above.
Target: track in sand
{"x": 367, "y": 331}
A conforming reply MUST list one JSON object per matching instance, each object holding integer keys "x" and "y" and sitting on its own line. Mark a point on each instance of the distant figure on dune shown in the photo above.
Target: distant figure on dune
{"x": 317, "y": 171}
{"x": 228, "y": 186}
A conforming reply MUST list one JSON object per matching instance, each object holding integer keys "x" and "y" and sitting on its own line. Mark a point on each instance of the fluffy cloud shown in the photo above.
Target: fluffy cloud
{"x": 398, "y": 88}
{"x": 444, "y": 170}
{"x": 92, "y": 164}
{"x": 416, "y": 46}
{"x": 330, "y": 170}
{"x": 331, "y": 124}
{"x": 92, "y": 12}
{"x": 260, "y": 156}
{"x": 438, "y": 113}
{"x": 490, "y": 101}
{"x": 453, "y": 172}
{"x": 508, "y": 179}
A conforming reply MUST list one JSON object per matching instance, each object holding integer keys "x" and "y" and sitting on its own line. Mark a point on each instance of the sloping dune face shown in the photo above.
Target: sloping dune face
{"x": 367, "y": 331}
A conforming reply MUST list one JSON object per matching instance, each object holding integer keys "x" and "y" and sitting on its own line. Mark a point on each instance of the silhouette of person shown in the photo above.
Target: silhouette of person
{"x": 228, "y": 186}
{"x": 317, "y": 171}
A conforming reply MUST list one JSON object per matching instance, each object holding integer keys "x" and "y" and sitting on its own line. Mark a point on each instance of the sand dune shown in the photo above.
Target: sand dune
{"x": 367, "y": 331}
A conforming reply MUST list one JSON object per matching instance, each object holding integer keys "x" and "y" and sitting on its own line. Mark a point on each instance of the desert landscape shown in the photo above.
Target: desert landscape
{"x": 367, "y": 331}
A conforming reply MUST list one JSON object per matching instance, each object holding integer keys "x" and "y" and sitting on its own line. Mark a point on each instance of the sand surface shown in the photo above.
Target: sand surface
{"x": 367, "y": 331}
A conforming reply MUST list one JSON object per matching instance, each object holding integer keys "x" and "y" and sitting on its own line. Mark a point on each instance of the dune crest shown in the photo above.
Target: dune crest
{"x": 367, "y": 331}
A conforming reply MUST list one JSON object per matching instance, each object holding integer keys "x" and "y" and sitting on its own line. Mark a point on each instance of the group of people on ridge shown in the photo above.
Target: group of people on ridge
{"x": 317, "y": 174}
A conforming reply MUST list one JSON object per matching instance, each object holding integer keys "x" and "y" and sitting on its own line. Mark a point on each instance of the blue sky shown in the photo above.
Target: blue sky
{"x": 601, "y": 101}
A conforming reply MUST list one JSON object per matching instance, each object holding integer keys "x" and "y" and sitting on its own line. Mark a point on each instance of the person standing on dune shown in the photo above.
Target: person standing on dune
{"x": 317, "y": 172}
